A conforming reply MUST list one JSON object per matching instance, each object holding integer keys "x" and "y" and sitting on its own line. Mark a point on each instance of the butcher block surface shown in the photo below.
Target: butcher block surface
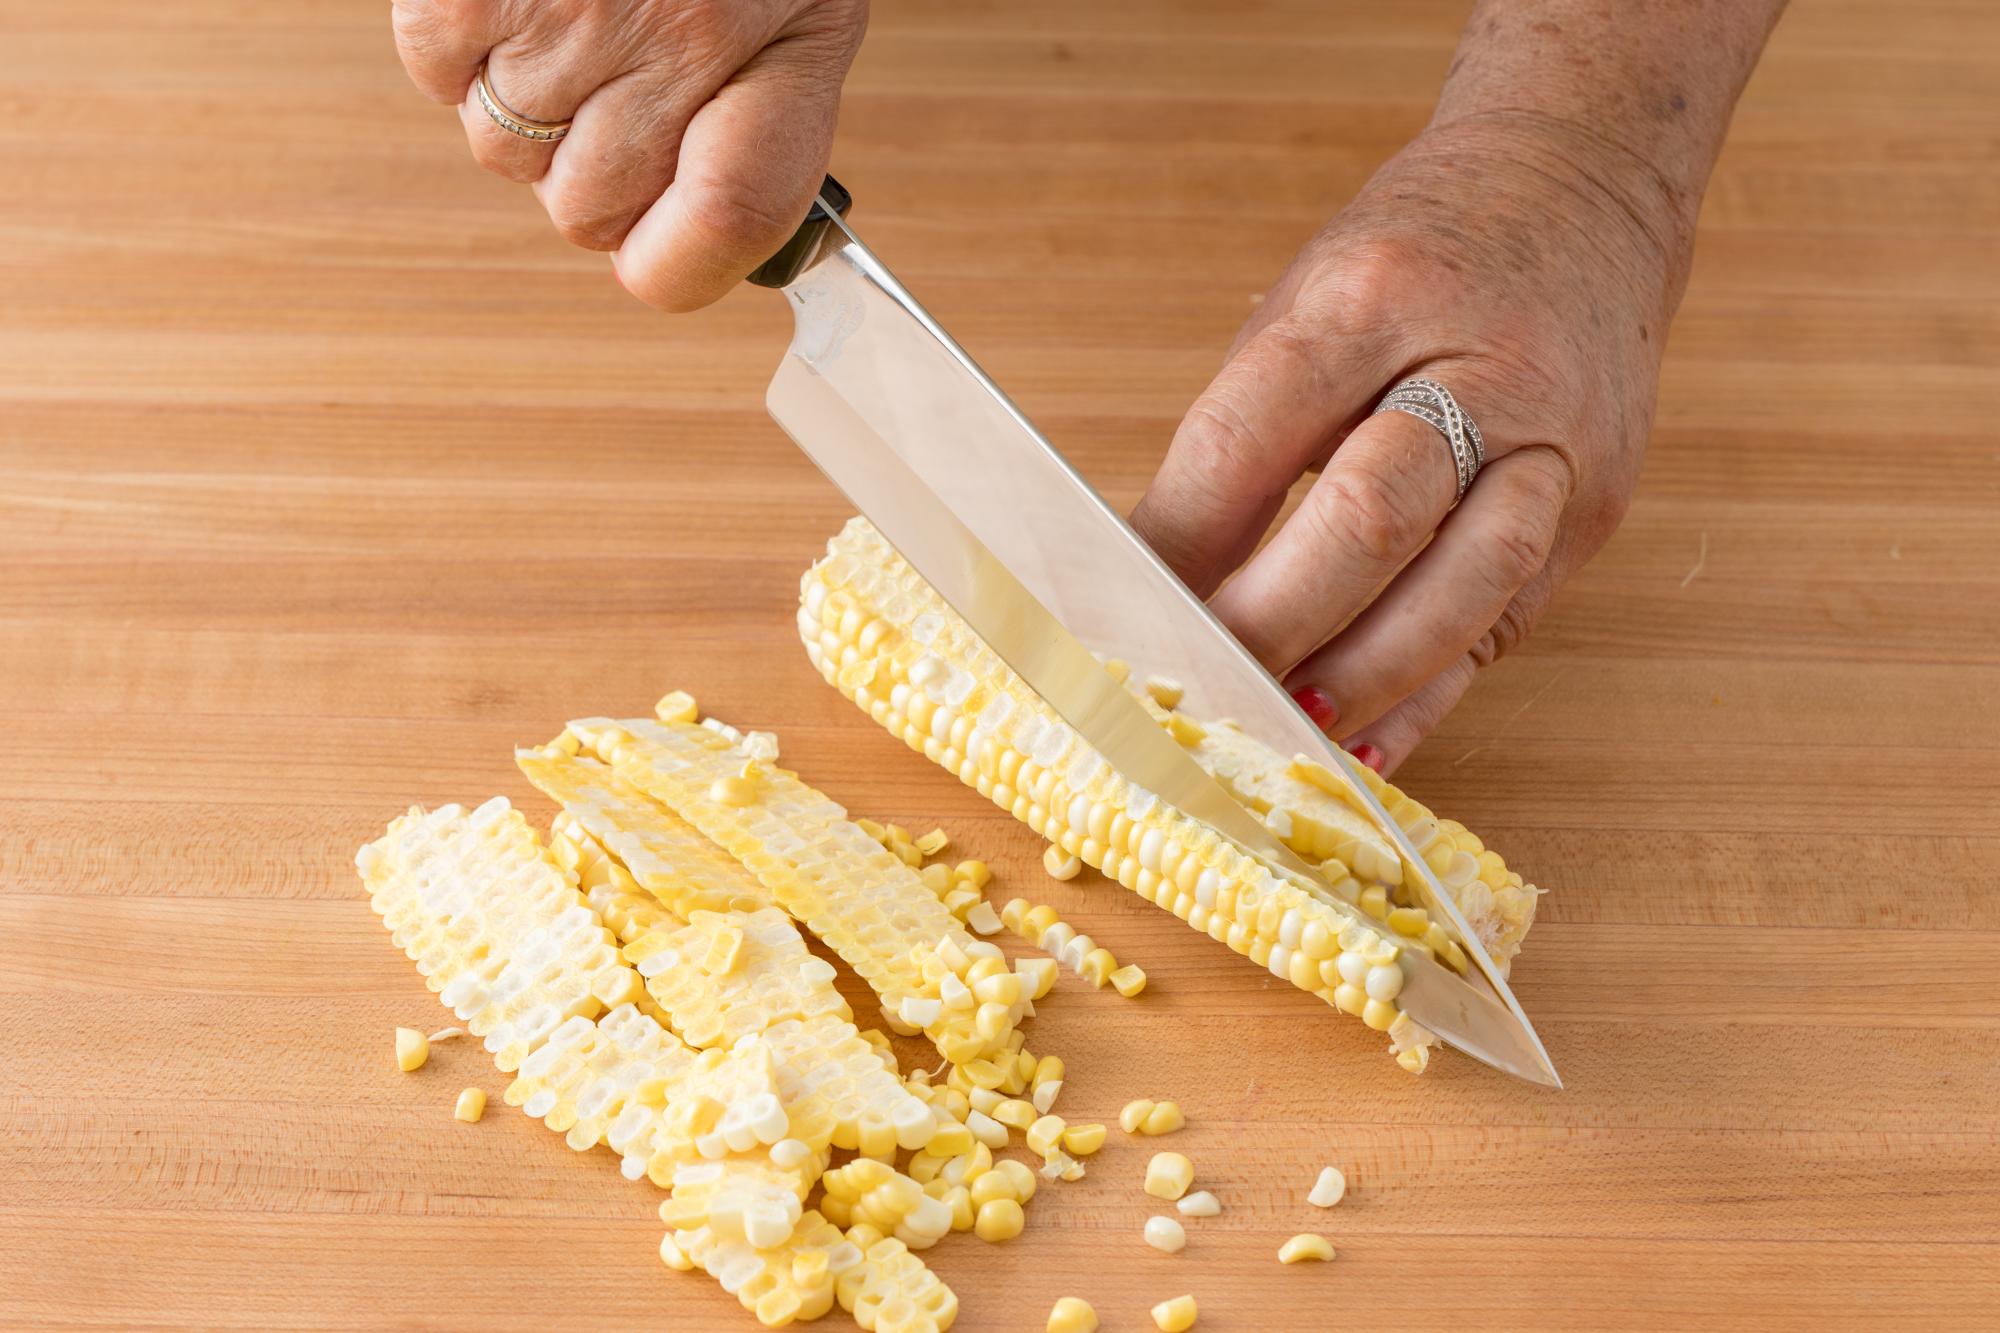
{"x": 328, "y": 474}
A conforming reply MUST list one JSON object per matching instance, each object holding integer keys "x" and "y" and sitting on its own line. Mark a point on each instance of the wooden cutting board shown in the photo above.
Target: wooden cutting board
{"x": 327, "y": 474}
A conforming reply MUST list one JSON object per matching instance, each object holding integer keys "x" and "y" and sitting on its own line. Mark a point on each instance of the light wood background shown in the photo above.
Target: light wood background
{"x": 327, "y": 474}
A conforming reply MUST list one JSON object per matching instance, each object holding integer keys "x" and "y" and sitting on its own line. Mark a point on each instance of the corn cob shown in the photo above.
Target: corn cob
{"x": 882, "y": 636}
{"x": 793, "y": 1281}
{"x": 826, "y": 871}
{"x": 892, "y": 1291}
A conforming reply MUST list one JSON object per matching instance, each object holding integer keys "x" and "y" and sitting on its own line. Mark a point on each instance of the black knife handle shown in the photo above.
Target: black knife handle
{"x": 780, "y": 269}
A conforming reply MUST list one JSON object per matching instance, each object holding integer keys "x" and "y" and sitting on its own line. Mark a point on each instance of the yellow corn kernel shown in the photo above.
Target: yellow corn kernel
{"x": 1072, "y": 1314}
{"x": 1168, "y": 1175}
{"x": 1328, "y": 1189}
{"x": 930, "y": 844}
{"x": 1164, "y": 692}
{"x": 471, "y": 1105}
{"x": 725, "y": 953}
{"x": 909, "y": 855}
{"x": 1036, "y": 921}
{"x": 976, "y": 873}
{"x": 1186, "y": 730}
{"x": 1166, "y": 1234}
{"x": 1097, "y": 967}
{"x": 1083, "y": 1140}
{"x": 1174, "y": 1316}
{"x": 1013, "y": 915}
{"x": 736, "y": 792}
{"x": 950, "y": 1140}
{"x": 1409, "y": 921}
{"x": 1164, "y": 1118}
{"x": 412, "y": 1049}
{"x": 1128, "y": 980}
{"x": 998, "y": 1220}
{"x": 1305, "y": 1246}
{"x": 1378, "y": 1015}
{"x": 1015, "y": 1113}
{"x": 1134, "y": 1116}
{"x": 936, "y": 878}
{"x": 1018, "y": 1176}
{"x": 679, "y": 706}
{"x": 1061, "y": 864}
{"x": 1045, "y": 1134}
{"x": 990, "y": 1185}
{"x": 1375, "y": 901}
{"x": 1038, "y": 975}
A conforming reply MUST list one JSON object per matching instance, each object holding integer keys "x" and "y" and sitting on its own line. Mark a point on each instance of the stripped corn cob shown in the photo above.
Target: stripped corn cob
{"x": 824, "y": 870}
{"x": 883, "y": 637}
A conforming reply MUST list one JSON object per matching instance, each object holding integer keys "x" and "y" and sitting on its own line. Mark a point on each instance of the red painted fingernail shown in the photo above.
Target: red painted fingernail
{"x": 1319, "y": 706}
{"x": 1370, "y": 755}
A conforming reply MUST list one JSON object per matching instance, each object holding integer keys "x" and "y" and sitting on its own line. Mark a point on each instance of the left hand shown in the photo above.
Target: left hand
{"x": 1520, "y": 264}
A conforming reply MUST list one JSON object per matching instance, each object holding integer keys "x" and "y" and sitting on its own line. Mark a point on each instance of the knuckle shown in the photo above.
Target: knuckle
{"x": 1358, "y": 507}
{"x": 1219, "y": 442}
{"x": 740, "y": 217}
{"x": 586, "y": 222}
{"x": 1505, "y": 635}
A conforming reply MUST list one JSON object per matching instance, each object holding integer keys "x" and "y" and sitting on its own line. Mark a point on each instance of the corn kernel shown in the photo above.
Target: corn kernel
{"x": 936, "y": 878}
{"x": 412, "y": 1049}
{"x": 1305, "y": 1246}
{"x": 1409, "y": 921}
{"x": 986, "y": 1129}
{"x": 930, "y": 844}
{"x": 998, "y": 1220}
{"x": 1165, "y": 692}
{"x": 1134, "y": 1115}
{"x": 1015, "y": 1113}
{"x": 1097, "y": 967}
{"x": 1168, "y": 1175}
{"x": 679, "y": 706}
{"x": 737, "y": 792}
{"x": 1037, "y": 921}
{"x": 1199, "y": 1204}
{"x": 1165, "y": 1234}
{"x": 1328, "y": 1189}
{"x": 1038, "y": 975}
{"x": 1017, "y": 1175}
{"x": 1045, "y": 1134}
{"x": 1174, "y": 1316}
{"x": 1072, "y": 1314}
{"x": 1129, "y": 980}
{"x": 471, "y": 1105}
{"x": 725, "y": 953}
{"x": 959, "y": 1200}
{"x": 1061, "y": 864}
{"x": 990, "y": 1185}
{"x": 1045, "y": 1096}
{"x": 1083, "y": 1140}
{"x": 976, "y": 873}
{"x": 1164, "y": 1118}
{"x": 981, "y": 920}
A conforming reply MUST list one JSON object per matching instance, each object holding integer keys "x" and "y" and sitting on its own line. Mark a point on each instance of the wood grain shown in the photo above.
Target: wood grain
{"x": 327, "y": 474}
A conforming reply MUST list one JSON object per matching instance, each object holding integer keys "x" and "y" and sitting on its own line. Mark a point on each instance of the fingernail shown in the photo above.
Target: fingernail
{"x": 1318, "y": 705}
{"x": 1370, "y": 755}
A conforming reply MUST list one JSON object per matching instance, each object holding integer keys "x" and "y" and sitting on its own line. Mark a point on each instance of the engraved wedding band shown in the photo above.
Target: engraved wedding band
{"x": 541, "y": 131}
{"x": 1431, "y": 402}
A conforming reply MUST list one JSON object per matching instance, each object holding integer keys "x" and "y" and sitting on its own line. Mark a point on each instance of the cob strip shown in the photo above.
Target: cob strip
{"x": 497, "y": 925}
{"x": 882, "y": 636}
{"x": 826, "y": 871}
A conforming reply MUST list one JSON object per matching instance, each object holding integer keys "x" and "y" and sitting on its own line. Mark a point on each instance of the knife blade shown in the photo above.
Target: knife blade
{"x": 958, "y": 480}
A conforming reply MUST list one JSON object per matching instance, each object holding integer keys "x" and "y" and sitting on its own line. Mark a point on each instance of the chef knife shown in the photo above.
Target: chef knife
{"x": 957, "y": 479}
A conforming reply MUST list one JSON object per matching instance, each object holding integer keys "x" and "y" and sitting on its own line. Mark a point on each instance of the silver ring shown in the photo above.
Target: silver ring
{"x": 1432, "y": 403}
{"x": 541, "y": 131}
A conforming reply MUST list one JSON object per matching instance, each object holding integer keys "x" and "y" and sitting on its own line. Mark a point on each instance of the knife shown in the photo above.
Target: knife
{"x": 958, "y": 480}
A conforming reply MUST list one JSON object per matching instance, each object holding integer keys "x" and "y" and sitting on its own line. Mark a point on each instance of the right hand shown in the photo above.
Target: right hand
{"x": 702, "y": 127}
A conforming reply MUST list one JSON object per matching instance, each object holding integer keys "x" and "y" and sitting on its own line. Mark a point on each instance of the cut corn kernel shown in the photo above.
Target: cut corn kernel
{"x": 1166, "y": 1234}
{"x": 1164, "y": 692}
{"x": 1164, "y": 1118}
{"x": 1168, "y": 1175}
{"x": 1097, "y": 967}
{"x": 412, "y": 1049}
{"x": 981, "y": 919}
{"x": 1015, "y": 1113}
{"x": 930, "y": 844}
{"x": 1045, "y": 1135}
{"x": 1045, "y": 1096}
{"x": 976, "y": 873}
{"x": 999, "y": 1219}
{"x": 733, "y": 791}
{"x": 1307, "y": 1246}
{"x": 1061, "y": 864}
{"x": 1174, "y": 1316}
{"x": 1072, "y": 1314}
{"x": 1129, "y": 980}
{"x": 444, "y": 1034}
{"x": 1328, "y": 1189}
{"x": 1083, "y": 1140}
{"x": 1199, "y": 1204}
{"x": 1133, "y": 1117}
{"x": 471, "y": 1105}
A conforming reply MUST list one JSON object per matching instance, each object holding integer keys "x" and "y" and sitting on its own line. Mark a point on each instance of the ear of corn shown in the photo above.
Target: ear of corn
{"x": 881, "y": 635}
{"x": 866, "y": 903}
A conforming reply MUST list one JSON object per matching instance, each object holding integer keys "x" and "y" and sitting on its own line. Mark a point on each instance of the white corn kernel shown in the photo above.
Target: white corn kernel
{"x": 1044, "y": 1097}
{"x": 1199, "y": 1204}
{"x": 1328, "y": 1189}
{"x": 1165, "y": 1234}
{"x": 981, "y": 919}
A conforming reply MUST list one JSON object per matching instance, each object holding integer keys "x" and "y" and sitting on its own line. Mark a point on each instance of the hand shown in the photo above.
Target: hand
{"x": 702, "y": 127}
{"x": 1512, "y": 261}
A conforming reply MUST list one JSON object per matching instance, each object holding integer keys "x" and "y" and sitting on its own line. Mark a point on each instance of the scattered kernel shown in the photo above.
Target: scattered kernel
{"x": 1165, "y": 1234}
{"x": 1044, "y": 1097}
{"x": 736, "y": 791}
{"x": 976, "y": 873}
{"x": 1199, "y": 1204}
{"x": 1129, "y": 980}
{"x": 471, "y": 1105}
{"x": 930, "y": 844}
{"x": 1072, "y": 1314}
{"x": 998, "y": 1220}
{"x": 1164, "y": 1118}
{"x": 1134, "y": 1116}
{"x": 982, "y": 920}
{"x": 1168, "y": 1175}
{"x": 412, "y": 1049}
{"x": 1083, "y": 1140}
{"x": 678, "y": 706}
{"x": 1061, "y": 864}
{"x": 1174, "y": 1316}
{"x": 1015, "y": 1113}
{"x": 1328, "y": 1189}
{"x": 1165, "y": 692}
{"x": 444, "y": 1034}
{"x": 1305, "y": 1246}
